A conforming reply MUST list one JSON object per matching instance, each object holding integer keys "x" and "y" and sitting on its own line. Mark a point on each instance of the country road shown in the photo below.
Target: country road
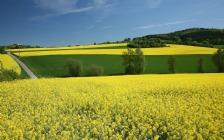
{"x": 28, "y": 71}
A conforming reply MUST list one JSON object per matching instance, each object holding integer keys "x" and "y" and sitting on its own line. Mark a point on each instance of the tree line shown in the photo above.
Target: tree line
{"x": 195, "y": 36}
{"x": 16, "y": 46}
{"x": 134, "y": 62}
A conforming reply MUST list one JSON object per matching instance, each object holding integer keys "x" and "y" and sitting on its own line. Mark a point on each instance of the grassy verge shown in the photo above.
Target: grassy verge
{"x": 53, "y": 66}
{"x": 24, "y": 75}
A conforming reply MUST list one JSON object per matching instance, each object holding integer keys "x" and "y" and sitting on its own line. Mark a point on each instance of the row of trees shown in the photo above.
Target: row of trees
{"x": 146, "y": 43}
{"x": 75, "y": 69}
{"x": 217, "y": 58}
{"x": 16, "y": 46}
{"x": 172, "y": 65}
{"x": 134, "y": 62}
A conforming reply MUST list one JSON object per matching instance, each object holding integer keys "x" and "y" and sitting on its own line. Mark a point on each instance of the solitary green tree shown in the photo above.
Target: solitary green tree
{"x": 134, "y": 61}
{"x": 172, "y": 64}
{"x": 218, "y": 59}
{"x": 200, "y": 65}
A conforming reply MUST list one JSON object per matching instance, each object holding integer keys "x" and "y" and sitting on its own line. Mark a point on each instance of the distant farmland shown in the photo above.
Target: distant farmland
{"x": 49, "y": 62}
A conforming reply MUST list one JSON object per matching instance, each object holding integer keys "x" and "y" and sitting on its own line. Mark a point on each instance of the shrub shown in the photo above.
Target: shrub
{"x": 7, "y": 74}
{"x": 75, "y": 67}
{"x": 94, "y": 70}
{"x": 2, "y": 49}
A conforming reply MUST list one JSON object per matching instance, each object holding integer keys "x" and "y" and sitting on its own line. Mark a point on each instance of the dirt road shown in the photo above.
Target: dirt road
{"x": 28, "y": 71}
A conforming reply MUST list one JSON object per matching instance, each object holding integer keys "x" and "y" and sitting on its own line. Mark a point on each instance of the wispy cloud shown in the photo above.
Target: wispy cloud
{"x": 100, "y": 3}
{"x": 105, "y": 12}
{"x": 102, "y": 8}
{"x": 136, "y": 4}
{"x": 58, "y": 8}
{"x": 153, "y": 3}
{"x": 106, "y": 27}
{"x": 163, "y": 24}
{"x": 90, "y": 27}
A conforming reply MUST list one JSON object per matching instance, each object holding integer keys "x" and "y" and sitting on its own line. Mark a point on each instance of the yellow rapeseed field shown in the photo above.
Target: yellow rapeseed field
{"x": 178, "y": 106}
{"x": 172, "y": 50}
{"x": 9, "y": 63}
{"x": 69, "y": 48}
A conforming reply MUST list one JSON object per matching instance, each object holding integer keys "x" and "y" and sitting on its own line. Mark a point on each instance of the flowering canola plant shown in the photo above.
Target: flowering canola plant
{"x": 9, "y": 63}
{"x": 172, "y": 50}
{"x": 178, "y": 106}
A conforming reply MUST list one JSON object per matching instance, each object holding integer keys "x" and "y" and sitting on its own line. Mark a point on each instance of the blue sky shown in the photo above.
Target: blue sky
{"x": 72, "y": 22}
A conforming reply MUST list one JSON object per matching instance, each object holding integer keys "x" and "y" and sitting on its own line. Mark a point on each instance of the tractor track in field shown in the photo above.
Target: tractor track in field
{"x": 27, "y": 70}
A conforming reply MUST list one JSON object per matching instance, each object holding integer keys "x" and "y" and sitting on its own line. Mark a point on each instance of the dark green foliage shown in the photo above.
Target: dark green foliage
{"x": 127, "y": 40}
{"x": 128, "y": 62}
{"x": 19, "y": 46}
{"x": 2, "y": 49}
{"x": 94, "y": 70}
{"x": 218, "y": 60}
{"x": 7, "y": 74}
{"x": 139, "y": 61}
{"x": 172, "y": 64}
{"x": 201, "y": 65}
{"x": 75, "y": 67}
{"x": 134, "y": 61}
{"x": 194, "y": 36}
{"x": 146, "y": 43}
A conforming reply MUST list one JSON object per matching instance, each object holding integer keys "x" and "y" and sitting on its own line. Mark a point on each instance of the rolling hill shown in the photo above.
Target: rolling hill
{"x": 194, "y": 36}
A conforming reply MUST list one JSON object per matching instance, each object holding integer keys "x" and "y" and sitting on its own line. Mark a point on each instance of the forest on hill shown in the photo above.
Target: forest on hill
{"x": 205, "y": 37}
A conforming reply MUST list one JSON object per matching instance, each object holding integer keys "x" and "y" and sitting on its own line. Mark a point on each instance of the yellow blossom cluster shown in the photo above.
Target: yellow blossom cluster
{"x": 9, "y": 63}
{"x": 172, "y": 50}
{"x": 178, "y": 106}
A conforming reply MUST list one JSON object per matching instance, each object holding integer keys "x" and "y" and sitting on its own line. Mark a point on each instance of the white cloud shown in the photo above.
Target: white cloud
{"x": 47, "y": 16}
{"x": 58, "y": 7}
{"x": 163, "y": 24}
{"x": 102, "y": 9}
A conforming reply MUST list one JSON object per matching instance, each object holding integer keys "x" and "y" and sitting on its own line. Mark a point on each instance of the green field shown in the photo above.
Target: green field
{"x": 53, "y": 66}
{"x": 23, "y": 74}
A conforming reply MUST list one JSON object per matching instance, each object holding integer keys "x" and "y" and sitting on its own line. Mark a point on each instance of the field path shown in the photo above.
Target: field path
{"x": 28, "y": 71}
